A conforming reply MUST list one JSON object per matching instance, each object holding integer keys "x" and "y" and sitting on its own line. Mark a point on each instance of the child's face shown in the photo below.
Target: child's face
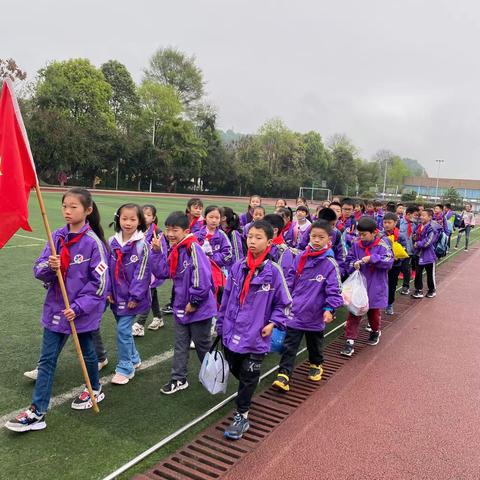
{"x": 73, "y": 210}
{"x": 258, "y": 214}
{"x": 257, "y": 241}
{"x": 129, "y": 220}
{"x": 280, "y": 203}
{"x": 175, "y": 234}
{"x": 400, "y": 210}
{"x": 255, "y": 202}
{"x": 377, "y": 207}
{"x": 148, "y": 214}
{"x": 196, "y": 211}
{"x": 389, "y": 225}
{"x": 437, "y": 209}
{"x": 213, "y": 219}
{"x": 319, "y": 238}
{"x": 358, "y": 208}
{"x": 337, "y": 209}
{"x": 347, "y": 210}
{"x": 425, "y": 217}
{"x": 300, "y": 202}
{"x": 301, "y": 215}
{"x": 366, "y": 237}
{"x": 468, "y": 207}
{"x": 370, "y": 206}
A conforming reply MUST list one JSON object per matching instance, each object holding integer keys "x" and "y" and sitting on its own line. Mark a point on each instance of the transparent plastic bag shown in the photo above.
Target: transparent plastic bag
{"x": 214, "y": 370}
{"x": 354, "y": 293}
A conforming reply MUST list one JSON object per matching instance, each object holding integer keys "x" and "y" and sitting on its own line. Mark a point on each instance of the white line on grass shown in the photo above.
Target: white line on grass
{"x": 31, "y": 238}
{"x": 65, "y": 397}
{"x": 27, "y": 245}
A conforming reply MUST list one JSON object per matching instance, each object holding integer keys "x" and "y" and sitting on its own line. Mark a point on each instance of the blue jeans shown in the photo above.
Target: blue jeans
{"x": 127, "y": 352}
{"x": 52, "y": 345}
{"x": 467, "y": 236}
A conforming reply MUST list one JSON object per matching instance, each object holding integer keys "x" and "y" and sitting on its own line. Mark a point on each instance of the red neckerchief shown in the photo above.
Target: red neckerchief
{"x": 286, "y": 228}
{"x": 340, "y": 224}
{"x": 420, "y": 229}
{"x": 209, "y": 235}
{"x": 194, "y": 221}
{"x": 65, "y": 252}
{"x": 368, "y": 247}
{"x": 119, "y": 263}
{"x": 279, "y": 240}
{"x": 252, "y": 264}
{"x": 309, "y": 252}
{"x": 409, "y": 228}
{"x": 358, "y": 215}
{"x": 173, "y": 257}
{"x": 394, "y": 233}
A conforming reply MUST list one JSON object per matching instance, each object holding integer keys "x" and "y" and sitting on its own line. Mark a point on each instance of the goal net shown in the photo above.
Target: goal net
{"x": 315, "y": 194}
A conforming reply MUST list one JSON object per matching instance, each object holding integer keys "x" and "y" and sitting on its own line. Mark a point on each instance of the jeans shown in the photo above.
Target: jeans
{"x": 142, "y": 317}
{"x": 291, "y": 344}
{"x": 467, "y": 236}
{"x": 246, "y": 368}
{"x": 430, "y": 269}
{"x": 127, "y": 352}
{"x": 351, "y": 328}
{"x": 52, "y": 345}
{"x": 200, "y": 333}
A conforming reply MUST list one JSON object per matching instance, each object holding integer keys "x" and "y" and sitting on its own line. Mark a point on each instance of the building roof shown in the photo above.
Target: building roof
{"x": 442, "y": 182}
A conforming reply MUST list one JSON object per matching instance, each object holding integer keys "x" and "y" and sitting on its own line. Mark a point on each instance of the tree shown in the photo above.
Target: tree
{"x": 171, "y": 67}
{"x": 341, "y": 140}
{"x": 409, "y": 196}
{"x": 343, "y": 172}
{"x": 452, "y": 196}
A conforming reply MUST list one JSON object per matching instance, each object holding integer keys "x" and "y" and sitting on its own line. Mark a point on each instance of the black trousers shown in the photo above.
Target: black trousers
{"x": 430, "y": 269}
{"x": 246, "y": 368}
{"x": 393, "y": 275}
{"x": 406, "y": 269}
{"x": 291, "y": 344}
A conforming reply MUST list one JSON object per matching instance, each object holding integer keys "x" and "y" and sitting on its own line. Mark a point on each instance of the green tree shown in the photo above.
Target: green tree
{"x": 343, "y": 172}
{"x": 452, "y": 196}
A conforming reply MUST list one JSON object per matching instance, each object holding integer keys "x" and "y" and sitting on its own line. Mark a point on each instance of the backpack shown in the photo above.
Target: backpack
{"x": 441, "y": 248}
{"x": 458, "y": 220}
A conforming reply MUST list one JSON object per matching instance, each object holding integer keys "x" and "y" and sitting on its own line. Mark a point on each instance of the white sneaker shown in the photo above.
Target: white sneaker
{"x": 119, "y": 379}
{"x": 192, "y": 345}
{"x": 102, "y": 364}
{"x": 32, "y": 374}
{"x": 138, "y": 330}
{"x": 156, "y": 323}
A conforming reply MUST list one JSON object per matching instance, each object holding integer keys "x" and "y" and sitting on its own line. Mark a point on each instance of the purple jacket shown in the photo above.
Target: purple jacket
{"x": 238, "y": 252}
{"x": 289, "y": 236}
{"x": 268, "y": 300}
{"x": 245, "y": 218}
{"x": 318, "y": 288}
{"x": 155, "y": 282}
{"x": 221, "y": 248}
{"x": 198, "y": 225}
{"x": 129, "y": 277}
{"x": 379, "y": 218}
{"x": 425, "y": 242}
{"x": 284, "y": 256}
{"x": 375, "y": 271}
{"x": 86, "y": 282}
{"x": 404, "y": 231}
{"x": 192, "y": 283}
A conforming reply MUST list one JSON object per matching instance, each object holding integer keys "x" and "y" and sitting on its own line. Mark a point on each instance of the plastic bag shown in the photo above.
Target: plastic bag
{"x": 278, "y": 337}
{"x": 354, "y": 293}
{"x": 214, "y": 370}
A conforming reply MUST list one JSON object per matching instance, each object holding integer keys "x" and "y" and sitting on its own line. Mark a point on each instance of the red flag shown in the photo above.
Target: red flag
{"x": 17, "y": 170}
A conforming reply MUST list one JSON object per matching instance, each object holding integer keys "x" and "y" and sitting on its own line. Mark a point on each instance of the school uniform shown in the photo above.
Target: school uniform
{"x": 376, "y": 274}
{"x": 316, "y": 287}
{"x": 245, "y": 218}
{"x": 288, "y": 234}
{"x": 299, "y": 230}
{"x": 394, "y": 272}
{"x": 216, "y": 246}
{"x": 85, "y": 269}
{"x": 348, "y": 229}
{"x": 238, "y": 247}
{"x": 283, "y": 256}
{"x": 407, "y": 229}
{"x": 425, "y": 239}
{"x": 240, "y": 323}
{"x": 196, "y": 224}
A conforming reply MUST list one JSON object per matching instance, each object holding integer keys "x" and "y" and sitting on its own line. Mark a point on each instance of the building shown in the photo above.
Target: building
{"x": 468, "y": 190}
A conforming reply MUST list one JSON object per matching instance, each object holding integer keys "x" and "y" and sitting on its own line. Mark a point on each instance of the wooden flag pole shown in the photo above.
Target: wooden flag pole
{"x": 66, "y": 300}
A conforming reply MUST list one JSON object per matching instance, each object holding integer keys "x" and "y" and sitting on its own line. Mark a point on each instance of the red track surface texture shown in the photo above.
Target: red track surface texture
{"x": 408, "y": 408}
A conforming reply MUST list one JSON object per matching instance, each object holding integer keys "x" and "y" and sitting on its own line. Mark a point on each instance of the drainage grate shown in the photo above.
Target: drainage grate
{"x": 209, "y": 456}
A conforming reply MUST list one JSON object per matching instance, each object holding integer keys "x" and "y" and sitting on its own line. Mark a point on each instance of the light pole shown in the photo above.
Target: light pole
{"x": 438, "y": 176}
{"x": 385, "y": 179}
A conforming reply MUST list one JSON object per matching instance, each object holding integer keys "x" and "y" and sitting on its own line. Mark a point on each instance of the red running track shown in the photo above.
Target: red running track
{"x": 408, "y": 408}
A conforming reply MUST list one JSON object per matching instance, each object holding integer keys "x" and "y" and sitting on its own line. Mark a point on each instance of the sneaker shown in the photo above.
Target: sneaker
{"x": 466, "y": 249}
{"x": 167, "y": 309}
{"x": 431, "y": 294}
{"x": 84, "y": 402}
{"x": 315, "y": 372}
{"x": 368, "y": 328}
{"x": 138, "y": 330}
{"x": 27, "y": 420}
{"x": 237, "y": 428}
{"x": 389, "y": 310}
{"x": 102, "y": 364}
{"x": 374, "y": 338}
{"x": 455, "y": 247}
{"x": 120, "y": 379}
{"x": 32, "y": 374}
{"x": 405, "y": 291}
{"x": 174, "y": 386}
{"x": 192, "y": 345}
{"x": 156, "y": 323}
{"x": 347, "y": 349}
{"x": 417, "y": 294}
{"x": 282, "y": 382}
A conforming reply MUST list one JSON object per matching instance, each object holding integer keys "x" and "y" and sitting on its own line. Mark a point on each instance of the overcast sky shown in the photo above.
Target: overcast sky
{"x": 402, "y": 75}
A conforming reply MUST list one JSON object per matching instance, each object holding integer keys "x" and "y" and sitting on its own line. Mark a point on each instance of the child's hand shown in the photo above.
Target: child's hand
{"x": 267, "y": 330}
{"x": 357, "y": 265}
{"x": 190, "y": 308}
{"x": 110, "y": 299}
{"x": 157, "y": 243}
{"x": 69, "y": 314}
{"x": 54, "y": 262}
{"x": 132, "y": 304}
{"x": 327, "y": 316}
{"x": 366, "y": 259}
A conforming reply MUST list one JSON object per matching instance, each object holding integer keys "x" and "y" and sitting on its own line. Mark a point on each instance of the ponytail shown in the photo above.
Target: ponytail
{"x": 94, "y": 222}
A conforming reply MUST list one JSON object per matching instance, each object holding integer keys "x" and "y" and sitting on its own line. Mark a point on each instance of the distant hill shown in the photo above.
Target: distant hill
{"x": 415, "y": 167}
{"x": 230, "y": 136}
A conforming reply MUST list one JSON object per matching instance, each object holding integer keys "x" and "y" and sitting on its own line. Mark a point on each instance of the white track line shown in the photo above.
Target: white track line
{"x": 31, "y": 238}
{"x": 23, "y": 246}
{"x": 67, "y": 396}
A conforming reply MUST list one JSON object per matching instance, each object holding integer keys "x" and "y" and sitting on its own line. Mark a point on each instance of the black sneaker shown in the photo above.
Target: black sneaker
{"x": 405, "y": 291}
{"x": 347, "y": 350}
{"x": 417, "y": 294}
{"x": 27, "y": 420}
{"x": 84, "y": 402}
{"x": 374, "y": 338}
{"x": 282, "y": 382}
{"x": 431, "y": 294}
{"x": 167, "y": 309}
{"x": 237, "y": 428}
{"x": 174, "y": 386}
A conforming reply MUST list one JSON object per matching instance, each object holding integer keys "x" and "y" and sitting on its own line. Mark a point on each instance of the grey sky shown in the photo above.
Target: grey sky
{"x": 402, "y": 75}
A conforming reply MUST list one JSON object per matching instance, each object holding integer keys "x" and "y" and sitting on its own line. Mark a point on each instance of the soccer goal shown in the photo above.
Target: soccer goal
{"x": 315, "y": 194}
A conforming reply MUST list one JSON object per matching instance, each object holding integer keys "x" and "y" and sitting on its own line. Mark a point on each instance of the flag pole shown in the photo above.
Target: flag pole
{"x": 61, "y": 283}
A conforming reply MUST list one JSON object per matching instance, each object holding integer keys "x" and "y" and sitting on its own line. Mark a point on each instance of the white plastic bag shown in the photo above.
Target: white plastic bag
{"x": 354, "y": 293}
{"x": 214, "y": 370}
